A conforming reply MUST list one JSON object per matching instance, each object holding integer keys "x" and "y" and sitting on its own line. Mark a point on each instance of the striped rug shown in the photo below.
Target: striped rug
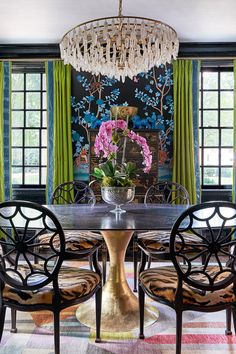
{"x": 202, "y": 334}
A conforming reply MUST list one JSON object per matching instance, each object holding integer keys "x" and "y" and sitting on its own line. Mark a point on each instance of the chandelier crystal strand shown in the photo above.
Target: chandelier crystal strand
{"x": 119, "y": 47}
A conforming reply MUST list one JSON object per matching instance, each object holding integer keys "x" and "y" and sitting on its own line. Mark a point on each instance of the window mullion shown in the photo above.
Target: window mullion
{"x": 23, "y": 143}
{"x": 218, "y": 85}
{"x": 31, "y": 121}
{"x": 219, "y": 107}
{"x": 202, "y": 132}
{"x": 40, "y": 130}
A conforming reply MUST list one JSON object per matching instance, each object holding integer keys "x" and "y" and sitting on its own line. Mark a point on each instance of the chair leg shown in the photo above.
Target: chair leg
{"x": 141, "y": 296}
{"x": 91, "y": 262}
{"x": 228, "y": 321}
{"x": 135, "y": 261}
{"x": 203, "y": 259}
{"x": 98, "y": 300}
{"x": 142, "y": 262}
{"x": 178, "y": 331}
{"x": 234, "y": 317}
{"x": 149, "y": 262}
{"x": 104, "y": 263}
{"x": 2, "y": 320}
{"x": 13, "y": 321}
{"x": 96, "y": 265}
{"x": 57, "y": 332}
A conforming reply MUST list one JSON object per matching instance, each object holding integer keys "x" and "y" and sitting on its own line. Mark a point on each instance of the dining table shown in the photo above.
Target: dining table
{"x": 120, "y": 308}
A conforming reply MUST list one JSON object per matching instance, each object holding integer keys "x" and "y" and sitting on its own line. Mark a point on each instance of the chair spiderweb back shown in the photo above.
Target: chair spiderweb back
{"x": 166, "y": 192}
{"x": 212, "y": 227}
{"x": 21, "y": 223}
{"x": 73, "y": 192}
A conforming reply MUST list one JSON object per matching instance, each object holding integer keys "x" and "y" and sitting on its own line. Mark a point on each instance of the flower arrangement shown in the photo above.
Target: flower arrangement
{"x": 111, "y": 138}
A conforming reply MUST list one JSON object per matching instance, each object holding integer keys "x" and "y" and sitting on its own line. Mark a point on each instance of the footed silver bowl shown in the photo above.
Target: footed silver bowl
{"x": 118, "y": 196}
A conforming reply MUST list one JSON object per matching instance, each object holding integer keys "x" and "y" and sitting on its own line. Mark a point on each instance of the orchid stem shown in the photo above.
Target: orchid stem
{"x": 124, "y": 147}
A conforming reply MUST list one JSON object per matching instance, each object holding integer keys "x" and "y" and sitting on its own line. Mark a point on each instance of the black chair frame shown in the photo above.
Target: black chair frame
{"x": 15, "y": 244}
{"x": 73, "y": 192}
{"x": 217, "y": 245}
{"x": 78, "y": 192}
{"x": 163, "y": 192}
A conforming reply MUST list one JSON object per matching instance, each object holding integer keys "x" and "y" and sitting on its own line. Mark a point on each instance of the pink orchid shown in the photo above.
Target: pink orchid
{"x": 105, "y": 147}
{"x": 121, "y": 124}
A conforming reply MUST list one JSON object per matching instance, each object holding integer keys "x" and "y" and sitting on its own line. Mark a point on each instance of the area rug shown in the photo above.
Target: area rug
{"x": 202, "y": 334}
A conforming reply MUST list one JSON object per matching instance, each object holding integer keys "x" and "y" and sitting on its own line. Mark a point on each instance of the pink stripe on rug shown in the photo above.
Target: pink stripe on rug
{"x": 204, "y": 325}
{"x": 193, "y": 339}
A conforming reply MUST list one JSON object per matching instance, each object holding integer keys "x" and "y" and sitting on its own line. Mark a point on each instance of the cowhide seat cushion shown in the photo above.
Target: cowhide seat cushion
{"x": 73, "y": 283}
{"x": 75, "y": 240}
{"x": 162, "y": 283}
{"x": 158, "y": 241}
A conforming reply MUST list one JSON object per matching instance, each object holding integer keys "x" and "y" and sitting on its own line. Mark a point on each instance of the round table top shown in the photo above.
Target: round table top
{"x": 137, "y": 217}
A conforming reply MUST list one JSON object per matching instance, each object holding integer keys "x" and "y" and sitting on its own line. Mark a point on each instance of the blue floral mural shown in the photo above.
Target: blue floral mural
{"x": 93, "y": 96}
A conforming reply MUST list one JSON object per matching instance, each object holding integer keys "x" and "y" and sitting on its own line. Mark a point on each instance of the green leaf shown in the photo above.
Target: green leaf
{"x": 108, "y": 168}
{"x": 130, "y": 169}
{"x": 98, "y": 173}
{"x": 124, "y": 182}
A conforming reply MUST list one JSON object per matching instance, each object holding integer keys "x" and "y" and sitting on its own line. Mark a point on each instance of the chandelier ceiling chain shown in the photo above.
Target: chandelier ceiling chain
{"x": 120, "y": 8}
{"x": 119, "y": 46}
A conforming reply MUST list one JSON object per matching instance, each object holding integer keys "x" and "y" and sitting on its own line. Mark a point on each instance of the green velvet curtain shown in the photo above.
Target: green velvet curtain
{"x": 183, "y": 139}
{"x": 234, "y": 168}
{"x": 60, "y": 158}
{"x": 63, "y": 159}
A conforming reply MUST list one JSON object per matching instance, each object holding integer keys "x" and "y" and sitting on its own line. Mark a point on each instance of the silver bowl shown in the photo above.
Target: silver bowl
{"x": 118, "y": 196}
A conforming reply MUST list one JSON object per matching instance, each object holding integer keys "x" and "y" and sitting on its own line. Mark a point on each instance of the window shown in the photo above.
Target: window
{"x": 216, "y": 127}
{"x": 29, "y": 126}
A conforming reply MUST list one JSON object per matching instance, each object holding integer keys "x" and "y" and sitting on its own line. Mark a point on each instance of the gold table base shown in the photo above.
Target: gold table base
{"x": 120, "y": 308}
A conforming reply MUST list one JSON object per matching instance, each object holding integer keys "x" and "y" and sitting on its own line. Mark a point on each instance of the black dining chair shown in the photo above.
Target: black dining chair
{"x": 189, "y": 284}
{"x": 48, "y": 285}
{"x": 87, "y": 242}
{"x": 155, "y": 244}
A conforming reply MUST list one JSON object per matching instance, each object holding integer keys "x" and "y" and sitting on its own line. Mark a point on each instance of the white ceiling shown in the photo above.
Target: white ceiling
{"x": 45, "y": 21}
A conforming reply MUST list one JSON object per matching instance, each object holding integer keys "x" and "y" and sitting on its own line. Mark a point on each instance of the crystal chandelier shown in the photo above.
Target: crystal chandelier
{"x": 119, "y": 46}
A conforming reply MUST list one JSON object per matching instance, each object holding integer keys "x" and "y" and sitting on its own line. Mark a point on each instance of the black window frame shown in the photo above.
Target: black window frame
{"x": 30, "y": 68}
{"x": 218, "y": 69}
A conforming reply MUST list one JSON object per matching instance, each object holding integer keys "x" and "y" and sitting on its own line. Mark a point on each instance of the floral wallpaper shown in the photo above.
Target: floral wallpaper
{"x": 93, "y": 96}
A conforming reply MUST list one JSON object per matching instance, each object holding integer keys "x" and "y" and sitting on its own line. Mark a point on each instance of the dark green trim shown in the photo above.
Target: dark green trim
{"x": 51, "y": 50}
{"x": 207, "y": 50}
{"x": 29, "y": 51}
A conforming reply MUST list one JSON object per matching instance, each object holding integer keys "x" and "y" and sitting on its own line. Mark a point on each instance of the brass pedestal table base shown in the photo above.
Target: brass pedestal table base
{"x": 120, "y": 308}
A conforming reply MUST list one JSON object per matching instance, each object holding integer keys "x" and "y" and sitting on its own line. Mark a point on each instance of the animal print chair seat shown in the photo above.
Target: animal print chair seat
{"x": 159, "y": 241}
{"x": 162, "y": 283}
{"x": 73, "y": 283}
{"x": 75, "y": 240}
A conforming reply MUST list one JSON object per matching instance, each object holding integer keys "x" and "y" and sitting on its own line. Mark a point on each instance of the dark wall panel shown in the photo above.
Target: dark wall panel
{"x": 93, "y": 96}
